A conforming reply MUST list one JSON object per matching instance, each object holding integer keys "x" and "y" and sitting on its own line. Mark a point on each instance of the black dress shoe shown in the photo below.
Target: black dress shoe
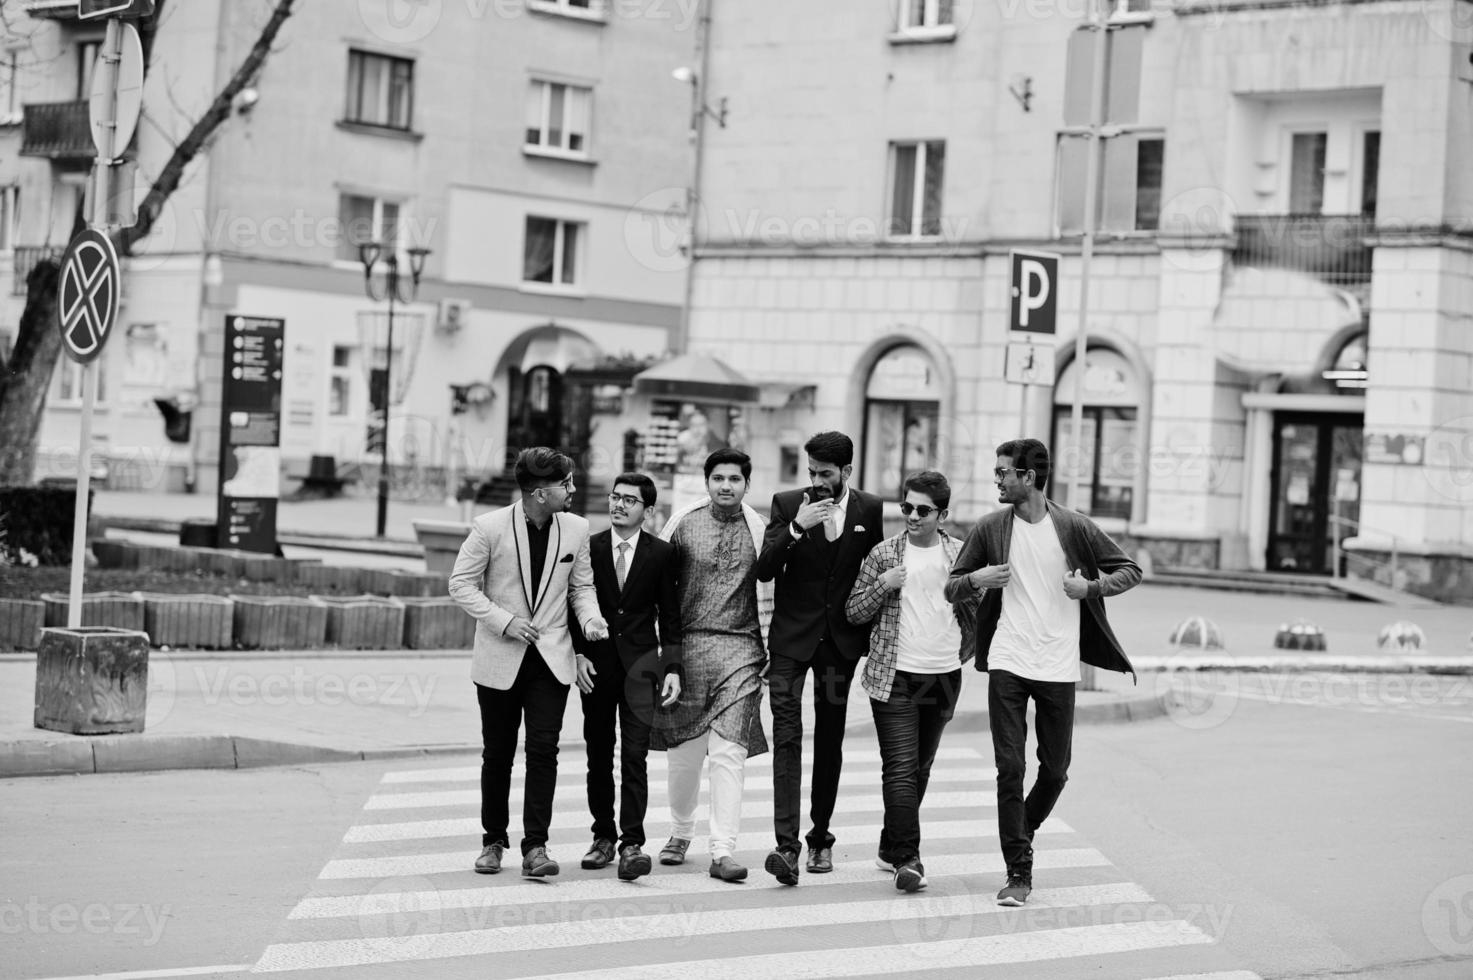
{"x": 783, "y": 866}
{"x": 820, "y": 860}
{"x": 600, "y": 853}
{"x": 728, "y": 870}
{"x": 633, "y": 863}
{"x": 674, "y": 851}
{"x": 489, "y": 863}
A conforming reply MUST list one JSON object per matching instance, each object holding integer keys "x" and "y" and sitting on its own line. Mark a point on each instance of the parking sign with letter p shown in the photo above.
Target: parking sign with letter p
{"x": 1035, "y": 295}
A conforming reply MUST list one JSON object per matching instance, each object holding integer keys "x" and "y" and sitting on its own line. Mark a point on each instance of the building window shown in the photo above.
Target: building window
{"x": 340, "y": 392}
{"x": 558, "y": 117}
{"x": 584, "y": 9}
{"x": 1307, "y": 173}
{"x": 380, "y": 90}
{"x": 902, "y": 415}
{"x": 67, "y": 381}
{"x": 1108, "y": 454}
{"x": 915, "y": 198}
{"x": 550, "y": 252}
{"x": 1370, "y": 171}
{"x": 9, "y": 216}
{"x": 1130, "y": 191}
{"x": 924, "y": 14}
{"x": 366, "y": 219}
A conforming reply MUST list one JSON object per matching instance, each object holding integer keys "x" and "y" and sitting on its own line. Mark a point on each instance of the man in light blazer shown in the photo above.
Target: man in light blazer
{"x": 518, "y": 572}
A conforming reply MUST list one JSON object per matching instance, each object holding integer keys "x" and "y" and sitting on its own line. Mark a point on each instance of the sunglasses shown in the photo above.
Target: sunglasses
{"x": 1002, "y": 472}
{"x": 628, "y": 500}
{"x": 921, "y": 510}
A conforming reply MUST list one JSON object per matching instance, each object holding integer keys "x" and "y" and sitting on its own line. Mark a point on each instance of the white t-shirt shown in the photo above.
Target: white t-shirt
{"x": 1038, "y": 632}
{"x": 930, "y": 637}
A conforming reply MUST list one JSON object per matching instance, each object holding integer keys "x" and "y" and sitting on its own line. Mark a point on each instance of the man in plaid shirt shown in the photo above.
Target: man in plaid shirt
{"x": 917, "y": 646}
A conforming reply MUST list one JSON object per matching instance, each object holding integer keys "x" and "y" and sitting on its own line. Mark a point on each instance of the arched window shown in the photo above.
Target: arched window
{"x": 1348, "y": 371}
{"x": 901, "y": 414}
{"x": 1107, "y": 456}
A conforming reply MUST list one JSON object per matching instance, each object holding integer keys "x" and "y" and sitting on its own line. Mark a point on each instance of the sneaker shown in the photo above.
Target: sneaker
{"x": 783, "y": 866}
{"x": 633, "y": 863}
{"x": 910, "y": 876}
{"x": 536, "y": 863}
{"x": 728, "y": 870}
{"x": 674, "y": 851}
{"x": 1017, "y": 890}
{"x": 489, "y": 863}
{"x": 600, "y": 853}
{"x": 883, "y": 862}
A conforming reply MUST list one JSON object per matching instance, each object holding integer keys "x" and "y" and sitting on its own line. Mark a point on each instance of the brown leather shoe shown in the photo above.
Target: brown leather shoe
{"x": 599, "y": 855}
{"x": 489, "y": 863}
{"x": 537, "y": 863}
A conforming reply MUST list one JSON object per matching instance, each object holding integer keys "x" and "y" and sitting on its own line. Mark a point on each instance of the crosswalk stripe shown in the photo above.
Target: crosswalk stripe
{"x": 852, "y": 757}
{"x": 1222, "y": 975}
{"x": 463, "y": 797}
{"x": 405, "y": 865}
{"x": 658, "y": 812}
{"x": 520, "y": 893}
{"x": 633, "y": 928}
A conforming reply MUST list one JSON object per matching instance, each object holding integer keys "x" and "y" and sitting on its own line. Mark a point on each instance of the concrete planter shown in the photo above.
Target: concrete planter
{"x": 437, "y": 624}
{"x": 188, "y": 621}
{"x": 20, "y": 623}
{"x": 428, "y": 585}
{"x": 118, "y": 610}
{"x": 330, "y": 579}
{"x": 279, "y": 622}
{"x": 363, "y": 622}
{"x": 441, "y": 541}
{"x": 91, "y": 680}
{"x": 225, "y": 564}
{"x": 255, "y": 567}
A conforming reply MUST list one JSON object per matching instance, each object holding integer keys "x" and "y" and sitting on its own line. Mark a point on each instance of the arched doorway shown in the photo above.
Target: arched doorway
{"x": 540, "y": 404}
{"x": 902, "y": 415}
{"x": 1106, "y": 459}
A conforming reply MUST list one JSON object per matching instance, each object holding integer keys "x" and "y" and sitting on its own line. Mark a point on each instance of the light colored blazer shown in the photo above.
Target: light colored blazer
{"x": 757, "y": 525}
{"x": 492, "y": 580}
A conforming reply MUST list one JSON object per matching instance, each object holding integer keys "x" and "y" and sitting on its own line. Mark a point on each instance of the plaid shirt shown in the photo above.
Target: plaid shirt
{"x": 870, "y": 599}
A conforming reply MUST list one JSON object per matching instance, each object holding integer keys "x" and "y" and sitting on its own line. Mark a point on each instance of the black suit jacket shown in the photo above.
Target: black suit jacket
{"x": 644, "y": 617}
{"x": 814, "y": 577}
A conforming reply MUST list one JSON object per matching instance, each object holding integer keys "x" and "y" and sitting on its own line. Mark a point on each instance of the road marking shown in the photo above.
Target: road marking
{"x": 852, "y": 757}
{"x": 1046, "y": 944}
{"x": 183, "y": 971}
{"x": 401, "y": 866}
{"x": 1225, "y": 975}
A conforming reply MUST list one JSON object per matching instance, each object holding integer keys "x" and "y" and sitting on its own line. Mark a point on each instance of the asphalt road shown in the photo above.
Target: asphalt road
{"x": 1276, "y": 830}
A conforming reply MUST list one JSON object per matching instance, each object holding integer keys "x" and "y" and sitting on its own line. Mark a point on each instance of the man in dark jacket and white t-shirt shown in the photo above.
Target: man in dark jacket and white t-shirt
{"x": 1043, "y": 572}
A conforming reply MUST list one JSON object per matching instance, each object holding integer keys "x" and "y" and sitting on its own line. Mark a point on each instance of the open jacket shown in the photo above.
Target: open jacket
{"x": 1086, "y": 548}
{"x": 644, "y": 615}
{"x": 872, "y": 601}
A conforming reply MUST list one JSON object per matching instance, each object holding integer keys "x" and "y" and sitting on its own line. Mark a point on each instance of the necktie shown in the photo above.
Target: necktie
{"x": 830, "y": 533}
{"x": 620, "y": 567}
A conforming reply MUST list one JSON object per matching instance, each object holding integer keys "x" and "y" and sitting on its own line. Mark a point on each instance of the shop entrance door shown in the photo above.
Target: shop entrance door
{"x": 1316, "y": 490}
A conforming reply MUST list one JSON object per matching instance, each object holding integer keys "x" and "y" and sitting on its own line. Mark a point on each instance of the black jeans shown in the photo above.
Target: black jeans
{"x": 542, "y": 698}
{"x": 1007, "y": 705}
{"x": 831, "y": 676}
{"x": 909, "y": 726}
{"x": 630, "y": 699}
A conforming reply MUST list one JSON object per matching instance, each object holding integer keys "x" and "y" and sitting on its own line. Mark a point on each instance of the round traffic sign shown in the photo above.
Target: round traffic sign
{"x": 87, "y": 295}
{"x": 113, "y": 122}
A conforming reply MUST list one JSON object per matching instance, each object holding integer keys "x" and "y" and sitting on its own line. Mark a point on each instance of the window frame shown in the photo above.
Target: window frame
{"x": 559, "y": 254}
{"x": 353, "y": 109}
{"x": 931, "y": 28}
{"x": 596, "y": 11}
{"x": 9, "y": 217}
{"x": 1320, "y": 129}
{"x": 66, "y": 383}
{"x": 541, "y": 88}
{"x": 379, "y": 201}
{"x": 341, "y": 373}
{"x": 86, "y": 66}
{"x": 1140, "y": 133}
{"x": 917, "y": 193}
{"x": 1093, "y": 418}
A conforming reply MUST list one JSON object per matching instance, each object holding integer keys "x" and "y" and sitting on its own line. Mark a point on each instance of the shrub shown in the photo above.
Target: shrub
{"x": 39, "y": 521}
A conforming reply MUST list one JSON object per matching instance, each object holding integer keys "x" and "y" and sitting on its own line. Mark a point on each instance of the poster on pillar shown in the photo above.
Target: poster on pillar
{"x": 250, "y": 434}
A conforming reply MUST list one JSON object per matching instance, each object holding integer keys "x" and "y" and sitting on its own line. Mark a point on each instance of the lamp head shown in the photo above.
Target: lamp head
{"x": 684, "y": 74}
{"x": 417, "y": 258}
{"x": 368, "y": 253}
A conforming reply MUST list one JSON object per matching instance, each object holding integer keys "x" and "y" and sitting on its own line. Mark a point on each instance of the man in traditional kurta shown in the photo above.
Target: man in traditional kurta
{"x": 724, "y": 615}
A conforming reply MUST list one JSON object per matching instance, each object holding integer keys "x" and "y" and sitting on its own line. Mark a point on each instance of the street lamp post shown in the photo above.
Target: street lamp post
{"x": 395, "y": 291}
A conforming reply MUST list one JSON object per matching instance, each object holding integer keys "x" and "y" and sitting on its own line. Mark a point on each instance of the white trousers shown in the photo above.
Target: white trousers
{"x": 728, "y": 769}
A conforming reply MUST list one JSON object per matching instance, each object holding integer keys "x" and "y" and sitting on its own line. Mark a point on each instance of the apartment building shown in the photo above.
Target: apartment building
{"x": 1279, "y": 366}
{"x": 524, "y": 144}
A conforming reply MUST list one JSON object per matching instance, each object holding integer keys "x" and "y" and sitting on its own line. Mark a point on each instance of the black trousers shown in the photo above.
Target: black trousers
{"x": 628, "y": 699}
{"x": 785, "y": 679}
{"x": 1018, "y": 818}
{"x": 909, "y": 726}
{"x": 541, "y": 698}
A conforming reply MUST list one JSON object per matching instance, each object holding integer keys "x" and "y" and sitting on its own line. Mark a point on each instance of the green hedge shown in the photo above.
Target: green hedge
{"x": 39, "y": 519}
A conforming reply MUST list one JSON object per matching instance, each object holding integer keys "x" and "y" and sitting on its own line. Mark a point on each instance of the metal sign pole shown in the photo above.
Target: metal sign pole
{"x": 79, "y": 514}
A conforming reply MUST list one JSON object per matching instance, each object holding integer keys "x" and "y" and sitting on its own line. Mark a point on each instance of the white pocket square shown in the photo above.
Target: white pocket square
{"x": 859, "y": 527}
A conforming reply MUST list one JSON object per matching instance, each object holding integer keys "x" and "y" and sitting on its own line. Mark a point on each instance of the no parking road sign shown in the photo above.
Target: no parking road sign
{"x": 87, "y": 298}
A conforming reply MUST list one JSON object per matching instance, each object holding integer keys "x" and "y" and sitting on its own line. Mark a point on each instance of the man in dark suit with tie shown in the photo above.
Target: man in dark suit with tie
{"x": 625, "y": 675}
{"x": 816, "y": 540}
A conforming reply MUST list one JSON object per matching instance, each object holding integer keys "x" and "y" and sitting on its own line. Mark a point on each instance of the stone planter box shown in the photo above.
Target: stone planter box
{"x": 225, "y": 564}
{"x": 363, "y": 622}
{"x": 397, "y": 582}
{"x": 256, "y": 567}
{"x": 334, "y": 579}
{"x": 437, "y": 624}
{"x": 91, "y": 680}
{"x": 441, "y": 541}
{"x": 279, "y": 622}
{"x": 118, "y": 610}
{"x": 114, "y": 553}
{"x": 188, "y": 621}
{"x": 20, "y": 623}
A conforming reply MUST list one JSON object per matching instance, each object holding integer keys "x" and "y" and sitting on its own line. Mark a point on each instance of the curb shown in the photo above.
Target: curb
{"x": 1411, "y": 664}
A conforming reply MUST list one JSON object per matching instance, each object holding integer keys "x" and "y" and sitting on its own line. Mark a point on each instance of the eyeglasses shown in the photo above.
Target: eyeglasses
{"x": 1001, "y": 473}
{"x": 566, "y": 486}
{"x": 628, "y": 500}
{"x": 923, "y": 511}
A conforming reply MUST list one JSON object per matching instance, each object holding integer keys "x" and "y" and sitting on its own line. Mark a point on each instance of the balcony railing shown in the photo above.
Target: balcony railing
{"x": 57, "y": 130}
{"x": 24, "y": 260}
{"x": 1332, "y": 247}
